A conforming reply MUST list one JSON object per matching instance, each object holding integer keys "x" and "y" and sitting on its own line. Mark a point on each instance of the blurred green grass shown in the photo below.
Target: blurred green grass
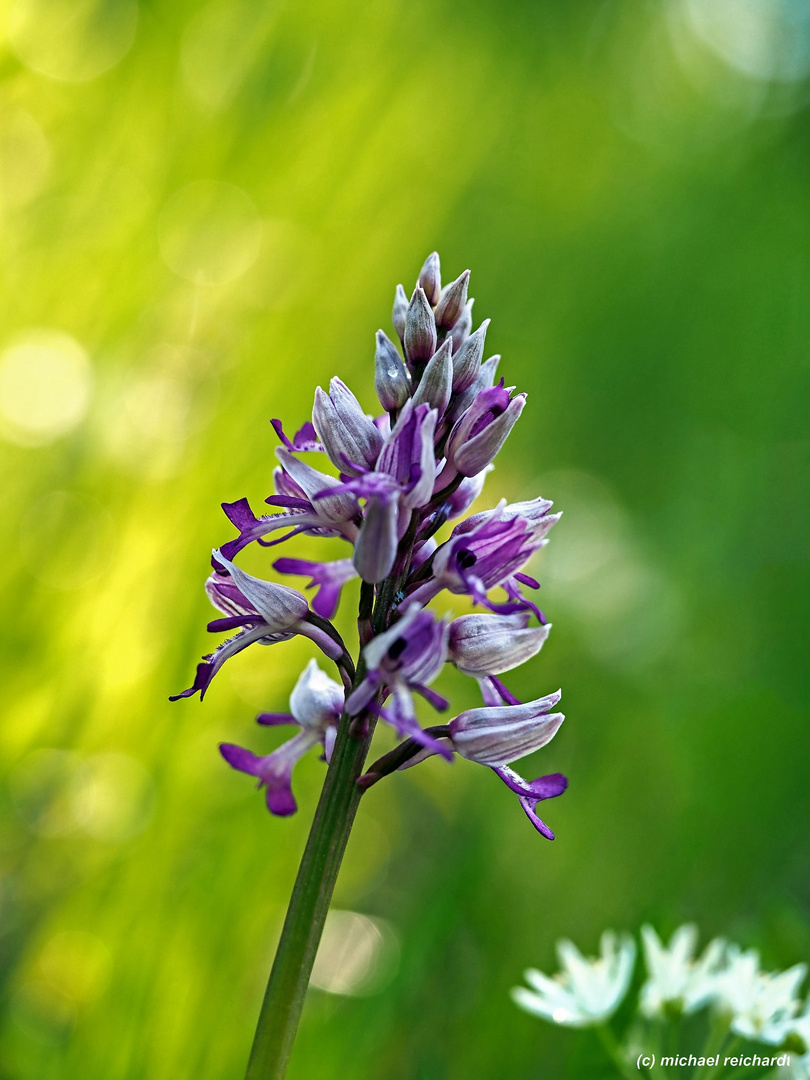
{"x": 218, "y": 218}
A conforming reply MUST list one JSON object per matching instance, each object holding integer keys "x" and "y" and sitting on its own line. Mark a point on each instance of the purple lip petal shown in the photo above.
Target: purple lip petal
{"x": 507, "y": 696}
{"x": 212, "y": 663}
{"x": 231, "y": 622}
{"x": 281, "y": 801}
{"x": 240, "y": 758}
{"x": 274, "y": 719}
{"x": 289, "y": 501}
{"x": 329, "y": 577}
{"x": 528, "y": 806}
{"x": 406, "y": 726}
{"x": 279, "y": 430}
{"x": 438, "y": 702}
{"x": 240, "y": 514}
{"x": 545, "y": 787}
{"x": 202, "y": 678}
{"x": 305, "y": 438}
{"x": 549, "y": 787}
{"x": 524, "y": 579}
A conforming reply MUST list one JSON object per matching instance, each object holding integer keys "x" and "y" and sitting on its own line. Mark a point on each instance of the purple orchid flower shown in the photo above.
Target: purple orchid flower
{"x": 267, "y": 613}
{"x": 482, "y": 552}
{"x": 310, "y": 501}
{"x": 316, "y": 704}
{"x": 400, "y": 477}
{"x": 405, "y": 658}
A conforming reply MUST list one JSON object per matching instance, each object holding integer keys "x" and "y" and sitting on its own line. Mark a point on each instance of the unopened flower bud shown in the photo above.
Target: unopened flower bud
{"x": 483, "y": 429}
{"x": 452, "y": 302}
{"x": 467, "y": 359}
{"x": 497, "y": 736}
{"x": 430, "y": 278}
{"x": 491, "y": 644}
{"x": 390, "y": 375}
{"x": 420, "y": 329}
{"x": 350, "y": 439}
{"x": 399, "y": 312}
{"x": 483, "y": 381}
{"x": 461, "y": 331}
{"x": 435, "y": 384}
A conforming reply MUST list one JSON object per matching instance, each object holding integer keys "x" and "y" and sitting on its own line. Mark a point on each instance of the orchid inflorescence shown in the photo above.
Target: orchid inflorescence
{"x": 747, "y": 1003}
{"x": 401, "y": 477}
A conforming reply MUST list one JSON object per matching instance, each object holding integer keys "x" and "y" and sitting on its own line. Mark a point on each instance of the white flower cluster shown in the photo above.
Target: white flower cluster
{"x": 759, "y": 1006}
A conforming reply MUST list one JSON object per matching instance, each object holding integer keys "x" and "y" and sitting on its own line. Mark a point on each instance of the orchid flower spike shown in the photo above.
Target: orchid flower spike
{"x": 383, "y": 488}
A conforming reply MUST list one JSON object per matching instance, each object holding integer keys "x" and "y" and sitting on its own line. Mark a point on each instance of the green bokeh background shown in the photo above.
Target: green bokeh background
{"x": 217, "y": 210}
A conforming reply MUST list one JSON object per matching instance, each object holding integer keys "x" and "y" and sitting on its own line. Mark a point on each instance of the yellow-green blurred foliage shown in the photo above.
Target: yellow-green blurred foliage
{"x": 205, "y": 209}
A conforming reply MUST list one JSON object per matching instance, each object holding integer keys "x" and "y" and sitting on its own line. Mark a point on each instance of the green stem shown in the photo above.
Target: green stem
{"x": 334, "y": 817}
{"x": 613, "y": 1049}
{"x": 715, "y": 1044}
{"x": 311, "y": 896}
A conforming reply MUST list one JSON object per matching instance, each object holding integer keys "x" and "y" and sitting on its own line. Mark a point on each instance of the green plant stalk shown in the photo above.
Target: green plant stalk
{"x": 309, "y": 904}
{"x": 323, "y": 854}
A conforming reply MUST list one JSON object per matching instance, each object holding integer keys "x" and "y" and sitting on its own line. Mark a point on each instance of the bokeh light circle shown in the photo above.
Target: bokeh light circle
{"x": 72, "y": 41}
{"x": 764, "y": 39}
{"x": 25, "y": 157}
{"x": 45, "y": 383}
{"x": 210, "y": 232}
